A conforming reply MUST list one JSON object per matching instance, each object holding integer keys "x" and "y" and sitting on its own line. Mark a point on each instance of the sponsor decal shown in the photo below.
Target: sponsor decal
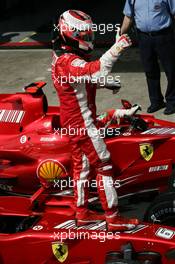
{"x": 100, "y": 225}
{"x": 38, "y": 227}
{"x": 159, "y": 168}
{"x": 23, "y": 139}
{"x": 146, "y": 151}
{"x": 50, "y": 170}
{"x": 165, "y": 233}
{"x": 11, "y": 116}
{"x": 47, "y": 139}
{"x": 159, "y": 131}
{"x": 7, "y": 188}
{"x": 60, "y": 251}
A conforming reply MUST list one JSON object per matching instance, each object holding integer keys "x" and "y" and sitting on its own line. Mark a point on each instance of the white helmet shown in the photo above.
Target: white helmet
{"x": 76, "y": 30}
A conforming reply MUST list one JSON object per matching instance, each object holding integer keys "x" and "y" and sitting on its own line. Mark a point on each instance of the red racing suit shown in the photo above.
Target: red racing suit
{"x": 75, "y": 82}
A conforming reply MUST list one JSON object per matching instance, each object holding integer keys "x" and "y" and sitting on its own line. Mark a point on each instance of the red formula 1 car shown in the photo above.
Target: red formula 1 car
{"x": 31, "y": 146}
{"x": 42, "y": 230}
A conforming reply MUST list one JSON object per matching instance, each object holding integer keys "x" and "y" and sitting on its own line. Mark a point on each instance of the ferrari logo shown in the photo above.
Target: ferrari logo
{"x": 60, "y": 251}
{"x": 147, "y": 151}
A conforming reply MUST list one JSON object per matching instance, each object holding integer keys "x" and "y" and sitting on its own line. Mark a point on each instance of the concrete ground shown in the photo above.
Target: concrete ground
{"x": 21, "y": 67}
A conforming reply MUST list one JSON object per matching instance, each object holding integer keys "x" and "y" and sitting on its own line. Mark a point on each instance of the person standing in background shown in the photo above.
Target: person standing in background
{"x": 154, "y": 23}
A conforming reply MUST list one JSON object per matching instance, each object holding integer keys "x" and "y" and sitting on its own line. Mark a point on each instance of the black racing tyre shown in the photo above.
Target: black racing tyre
{"x": 162, "y": 210}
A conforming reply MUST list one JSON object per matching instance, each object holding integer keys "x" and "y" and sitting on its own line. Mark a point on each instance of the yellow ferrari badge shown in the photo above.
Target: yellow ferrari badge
{"x": 60, "y": 251}
{"x": 146, "y": 151}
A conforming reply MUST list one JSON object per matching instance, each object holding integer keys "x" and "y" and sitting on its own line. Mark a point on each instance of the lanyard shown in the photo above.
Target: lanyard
{"x": 133, "y": 6}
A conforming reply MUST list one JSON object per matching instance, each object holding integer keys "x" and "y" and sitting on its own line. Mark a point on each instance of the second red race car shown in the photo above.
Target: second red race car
{"x": 42, "y": 230}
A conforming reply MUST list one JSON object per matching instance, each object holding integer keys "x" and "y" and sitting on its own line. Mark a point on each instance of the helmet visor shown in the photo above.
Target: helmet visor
{"x": 86, "y": 36}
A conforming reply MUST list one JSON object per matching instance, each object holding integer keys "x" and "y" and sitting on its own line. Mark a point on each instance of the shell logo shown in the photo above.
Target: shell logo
{"x": 50, "y": 170}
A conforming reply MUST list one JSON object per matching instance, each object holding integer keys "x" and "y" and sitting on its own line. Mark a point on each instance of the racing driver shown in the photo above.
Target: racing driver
{"x": 75, "y": 79}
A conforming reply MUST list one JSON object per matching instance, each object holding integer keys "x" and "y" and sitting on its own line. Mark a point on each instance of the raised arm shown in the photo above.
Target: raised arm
{"x": 93, "y": 71}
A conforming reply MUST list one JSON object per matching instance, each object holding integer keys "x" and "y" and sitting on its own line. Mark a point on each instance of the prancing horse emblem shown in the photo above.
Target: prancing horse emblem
{"x": 146, "y": 151}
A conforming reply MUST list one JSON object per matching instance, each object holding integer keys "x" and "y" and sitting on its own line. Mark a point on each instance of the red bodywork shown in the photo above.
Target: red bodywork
{"x": 31, "y": 138}
{"x": 37, "y": 229}
{"x": 28, "y": 237}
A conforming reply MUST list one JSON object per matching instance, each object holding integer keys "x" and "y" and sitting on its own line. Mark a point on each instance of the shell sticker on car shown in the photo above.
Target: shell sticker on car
{"x": 50, "y": 170}
{"x": 165, "y": 233}
{"x": 146, "y": 151}
{"x": 60, "y": 251}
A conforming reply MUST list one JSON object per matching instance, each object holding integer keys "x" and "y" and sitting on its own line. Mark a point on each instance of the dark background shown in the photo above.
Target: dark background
{"x": 36, "y": 15}
{"x": 109, "y": 9}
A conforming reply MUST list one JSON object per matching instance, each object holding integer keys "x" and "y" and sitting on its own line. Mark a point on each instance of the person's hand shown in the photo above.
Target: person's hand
{"x": 122, "y": 42}
{"x": 139, "y": 107}
{"x": 120, "y": 113}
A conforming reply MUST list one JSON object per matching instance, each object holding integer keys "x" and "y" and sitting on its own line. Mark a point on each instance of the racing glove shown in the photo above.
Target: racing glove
{"x": 110, "y": 57}
{"x": 108, "y": 117}
{"x": 122, "y": 43}
{"x": 120, "y": 113}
